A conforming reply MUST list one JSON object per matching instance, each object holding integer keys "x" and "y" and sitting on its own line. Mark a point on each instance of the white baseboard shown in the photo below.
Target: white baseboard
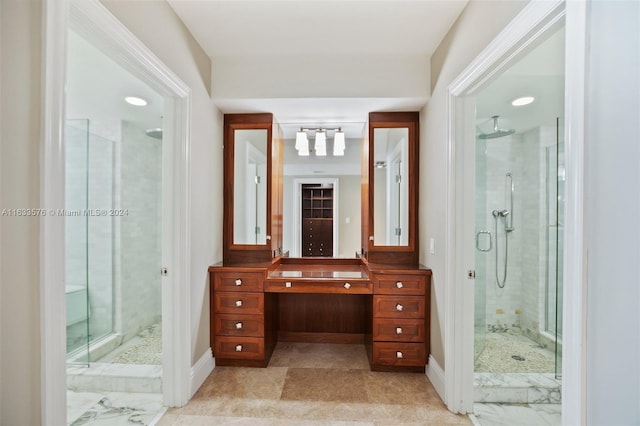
{"x": 201, "y": 370}
{"x": 435, "y": 373}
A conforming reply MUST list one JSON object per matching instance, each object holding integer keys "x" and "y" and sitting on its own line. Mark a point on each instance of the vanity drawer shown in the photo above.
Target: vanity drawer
{"x": 399, "y": 354}
{"x": 238, "y": 281}
{"x": 398, "y": 330}
{"x": 239, "y": 303}
{"x": 398, "y": 306}
{"x": 399, "y": 284}
{"x": 239, "y": 347}
{"x": 240, "y": 325}
{"x": 319, "y": 286}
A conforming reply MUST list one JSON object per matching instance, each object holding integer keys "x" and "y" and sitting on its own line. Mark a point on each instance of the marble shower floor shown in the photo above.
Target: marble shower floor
{"x": 497, "y": 355}
{"x": 313, "y": 384}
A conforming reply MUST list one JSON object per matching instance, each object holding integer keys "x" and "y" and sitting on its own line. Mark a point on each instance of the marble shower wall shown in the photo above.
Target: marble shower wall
{"x": 138, "y": 294}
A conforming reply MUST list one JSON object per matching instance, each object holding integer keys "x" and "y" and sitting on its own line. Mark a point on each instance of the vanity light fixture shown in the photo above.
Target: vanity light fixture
{"x": 134, "y": 100}
{"x": 320, "y": 143}
{"x": 522, "y": 101}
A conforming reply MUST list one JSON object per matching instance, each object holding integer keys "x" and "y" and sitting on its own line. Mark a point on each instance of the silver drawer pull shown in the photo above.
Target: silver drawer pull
{"x": 398, "y": 330}
{"x": 238, "y": 281}
{"x": 347, "y": 286}
{"x": 287, "y": 284}
{"x": 399, "y": 307}
{"x": 238, "y": 303}
{"x": 238, "y": 348}
{"x": 239, "y": 325}
{"x": 399, "y": 284}
{"x": 399, "y": 355}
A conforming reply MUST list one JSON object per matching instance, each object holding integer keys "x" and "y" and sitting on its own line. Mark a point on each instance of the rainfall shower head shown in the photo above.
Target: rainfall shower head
{"x": 497, "y": 132}
{"x": 154, "y": 133}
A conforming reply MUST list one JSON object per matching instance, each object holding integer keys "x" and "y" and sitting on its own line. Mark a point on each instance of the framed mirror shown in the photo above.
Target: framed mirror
{"x": 321, "y": 196}
{"x": 390, "y": 189}
{"x": 250, "y": 186}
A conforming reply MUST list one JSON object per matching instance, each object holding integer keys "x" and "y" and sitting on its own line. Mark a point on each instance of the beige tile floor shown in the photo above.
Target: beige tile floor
{"x": 313, "y": 384}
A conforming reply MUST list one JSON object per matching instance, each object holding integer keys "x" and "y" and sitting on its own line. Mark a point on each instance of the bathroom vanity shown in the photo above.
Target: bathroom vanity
{"x": 379, "y": 298}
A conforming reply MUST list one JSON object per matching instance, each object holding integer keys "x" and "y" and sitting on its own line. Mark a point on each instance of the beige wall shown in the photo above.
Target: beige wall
{"x": 159, "y": 28}
{"x": 19, "y": 247}
{"x": 478, "y": 24}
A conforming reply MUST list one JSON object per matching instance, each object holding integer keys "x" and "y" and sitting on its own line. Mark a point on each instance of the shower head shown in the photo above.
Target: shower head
{"x": 497, "y": 132}
{"x": 154, "y": 133}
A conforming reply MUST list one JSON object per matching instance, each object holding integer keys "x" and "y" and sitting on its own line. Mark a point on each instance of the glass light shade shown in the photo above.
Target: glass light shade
{"x": 338, "y": 143}
{"x": 304, "y": 151}
{"x": 302, "y": 142}
{"x": 321, "y": 143}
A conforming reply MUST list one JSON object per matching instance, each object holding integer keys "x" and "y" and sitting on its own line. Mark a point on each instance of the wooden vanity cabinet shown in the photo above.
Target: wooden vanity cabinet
{"x": 381, "y": 297}
{"x": 242, "y": 317}
{"x": 400, "y": 333}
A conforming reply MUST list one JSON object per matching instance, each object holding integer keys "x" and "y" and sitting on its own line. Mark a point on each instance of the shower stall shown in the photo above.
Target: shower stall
{"x": 112, "y": 239}
{"x": 518, "y": 258}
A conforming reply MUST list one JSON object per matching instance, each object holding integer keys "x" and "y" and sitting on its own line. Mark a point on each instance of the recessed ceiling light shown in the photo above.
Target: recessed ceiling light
{"x": 133, "y": 100}
{"x": 525, "y": 100}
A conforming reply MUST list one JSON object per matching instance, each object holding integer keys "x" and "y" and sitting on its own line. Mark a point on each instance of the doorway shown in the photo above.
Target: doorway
{"x": 114, "y": 195}
{"x": 92, "y": 21}
{"x": 469, "y": 310}
{"x": 315, "y": 200}
{"x": 519, "y": 209}
{"x": 317, "y": 220}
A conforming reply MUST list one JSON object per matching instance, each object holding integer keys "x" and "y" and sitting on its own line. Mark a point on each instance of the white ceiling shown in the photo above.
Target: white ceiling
{"x": 96, "y": 87}
{"x": 293, "y": 27}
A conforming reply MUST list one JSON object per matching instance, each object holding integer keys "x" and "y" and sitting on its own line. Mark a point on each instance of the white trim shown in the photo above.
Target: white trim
{"x": 93, "y": 20}
{"x": 519, "y": 37}
{"x": 435, "y": 374}
{"x": 52, "y": 272}
{"x": 201, "y": 370}
{"x": 297, "y": 214}
{"x": 574, "y": 285}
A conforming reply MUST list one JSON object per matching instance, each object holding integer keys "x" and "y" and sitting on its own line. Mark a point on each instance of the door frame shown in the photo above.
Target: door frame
{"x": 111, "y": 36}
{"x": 516, "y": 39}
{"x": 297, "y": 214}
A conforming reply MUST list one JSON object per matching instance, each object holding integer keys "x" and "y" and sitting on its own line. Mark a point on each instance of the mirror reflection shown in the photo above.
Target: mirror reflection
{"x": 391, "y": 186}
{"x": 331, "y": 182}
{"x": 250, "y": 186}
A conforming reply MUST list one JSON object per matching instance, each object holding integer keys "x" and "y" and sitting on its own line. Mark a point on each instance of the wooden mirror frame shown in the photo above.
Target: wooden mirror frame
{"x": 407, "y": 255}
{"x": 236, "y": 254}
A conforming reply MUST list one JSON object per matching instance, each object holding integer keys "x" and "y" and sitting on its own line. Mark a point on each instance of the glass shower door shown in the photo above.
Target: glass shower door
{"x": 89, "y": 238}
{"x": 76, "y": 238}
{"x": 555, "y": 242}
{"x": 483, "y": 247}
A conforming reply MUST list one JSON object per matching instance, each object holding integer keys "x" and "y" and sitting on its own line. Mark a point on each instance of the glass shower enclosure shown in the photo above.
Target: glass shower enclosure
{"x": 89, "y": 238}
{"x": 519, "y": 209}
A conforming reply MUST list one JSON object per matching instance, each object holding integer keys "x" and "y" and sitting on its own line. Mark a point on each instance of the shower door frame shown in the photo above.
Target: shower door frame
{"x": 120, "y": 43}
{"x": 536, "y": 18}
